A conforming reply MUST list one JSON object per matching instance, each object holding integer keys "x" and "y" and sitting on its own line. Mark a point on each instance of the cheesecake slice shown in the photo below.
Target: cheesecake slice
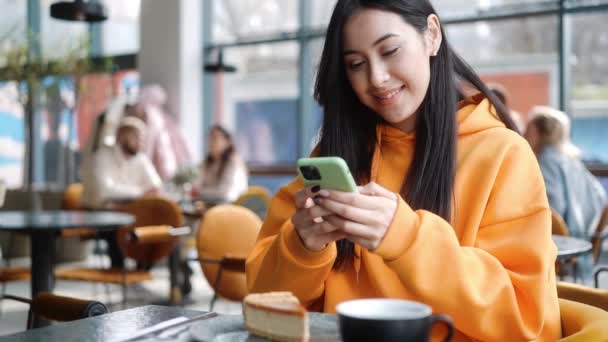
{"x": 277, "y": 316}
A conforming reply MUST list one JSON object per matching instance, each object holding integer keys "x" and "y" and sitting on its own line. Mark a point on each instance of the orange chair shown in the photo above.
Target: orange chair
{"x": 583, "y": 294}
{"x": 597, "y": 238}
{"x": 150, "y": 239}
{"x": 71, "y": 201}
{"x": 257, "y": 198}
{"x": 225, "y": 237}
{"x": 582, "y": 322}
{"x": 583, "y": 312}
{"x": 559, "y": 227}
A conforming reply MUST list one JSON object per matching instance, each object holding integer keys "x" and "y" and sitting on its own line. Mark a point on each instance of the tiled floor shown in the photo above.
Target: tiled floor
{"x": 14, "y": 315}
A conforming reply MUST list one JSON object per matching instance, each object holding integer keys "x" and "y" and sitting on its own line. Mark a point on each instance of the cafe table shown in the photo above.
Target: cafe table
{"x": 136, "y": 325}
{"x": 109, "y": 327}
{"x": 43, "y": 227}
{"x": 569, "y": 247}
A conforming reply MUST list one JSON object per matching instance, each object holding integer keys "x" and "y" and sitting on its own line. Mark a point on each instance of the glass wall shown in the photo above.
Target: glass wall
{"x": 259, "y": 102}
{"x": 13, "y": 36}
{"x": 120, "y": 32}
{"x": 59, "y": 36}
{"x": 512, "y": 53}
{"x": 236, "y": 19}
{"x": 588, "y": 35}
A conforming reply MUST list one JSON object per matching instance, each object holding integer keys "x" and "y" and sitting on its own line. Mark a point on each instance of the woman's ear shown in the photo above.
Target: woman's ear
{"x": 433, "y": 34}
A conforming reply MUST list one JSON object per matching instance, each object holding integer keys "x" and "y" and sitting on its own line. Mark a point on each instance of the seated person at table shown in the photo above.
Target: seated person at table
{"x": 573, "y": 192}
{"x": 118, "y": 173}
{"x": 121, "y": 172}
{"x": 451, "y": 210}
{"x": 223, "y": 174}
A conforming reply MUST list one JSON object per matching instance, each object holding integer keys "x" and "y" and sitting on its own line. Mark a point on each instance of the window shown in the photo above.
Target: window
{"x": 589, "y": 84}
{"x": 120, "y": 32}
{"x": 513, "y": 53}
{"x": 13, "y": 29}
{"x": 58, "y": 36}
{"x": 235, "y": 19}
{"x": 259, "y": 103}
{"x": 321, "y": 12}
{"x": 12, "y": 142}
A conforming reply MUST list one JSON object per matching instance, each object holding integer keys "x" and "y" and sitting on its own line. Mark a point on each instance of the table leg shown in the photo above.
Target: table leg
{"x": 175, "y": 296}
{"x": 43, "y": 257}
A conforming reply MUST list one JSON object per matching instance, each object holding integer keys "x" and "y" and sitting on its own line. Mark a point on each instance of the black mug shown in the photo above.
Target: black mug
{"x": 388, "y": 320}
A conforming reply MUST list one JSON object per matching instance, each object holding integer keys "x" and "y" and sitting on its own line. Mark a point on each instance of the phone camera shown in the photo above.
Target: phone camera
{"x": 310, "y": 172}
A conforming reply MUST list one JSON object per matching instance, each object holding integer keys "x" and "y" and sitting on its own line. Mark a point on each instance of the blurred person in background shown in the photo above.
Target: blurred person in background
{"x": 223, "y": 174}
{"x": 573, "y": 192}
{"x": 501, "y": 92}
{"x": 164, "y": 143}
{"x": 119, "y": 173}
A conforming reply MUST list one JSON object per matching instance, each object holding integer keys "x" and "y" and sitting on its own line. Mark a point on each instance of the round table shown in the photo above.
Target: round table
{"x": 569, "y": 247}
{"x": 43, "y": 228}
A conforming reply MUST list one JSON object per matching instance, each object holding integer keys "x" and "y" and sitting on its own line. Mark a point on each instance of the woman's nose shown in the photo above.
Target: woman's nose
{"x": 378, "y": 74}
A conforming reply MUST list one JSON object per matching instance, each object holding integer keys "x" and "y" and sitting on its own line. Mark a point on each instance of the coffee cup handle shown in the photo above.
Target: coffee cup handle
{"x": 448, "y": 322}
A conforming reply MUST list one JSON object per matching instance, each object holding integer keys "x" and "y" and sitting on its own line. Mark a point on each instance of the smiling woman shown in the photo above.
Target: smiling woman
{"x": 451, "y": 198}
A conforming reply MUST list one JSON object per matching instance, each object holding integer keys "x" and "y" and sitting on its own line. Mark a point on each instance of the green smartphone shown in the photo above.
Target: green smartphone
{"x": 327, "y": 172}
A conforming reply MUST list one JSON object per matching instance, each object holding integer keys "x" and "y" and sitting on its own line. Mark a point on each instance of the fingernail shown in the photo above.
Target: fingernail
{"x": 316, "y": 188}
{"x": 324, "y": 193}
{"x": 317, "y": 200}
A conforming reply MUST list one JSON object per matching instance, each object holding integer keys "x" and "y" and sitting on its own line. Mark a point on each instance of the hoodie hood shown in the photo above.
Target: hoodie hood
{"x": 476, "y": 114}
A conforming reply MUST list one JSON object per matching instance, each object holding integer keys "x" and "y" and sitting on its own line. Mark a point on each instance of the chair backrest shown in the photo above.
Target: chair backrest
{"x": 150, "y": 211}
{"x": 583, "y": 294}
{"x": 227, "y": 231}
{"x": 558, "y": 225}
{"x": 582, "y": 322}
{"x": 596, "y": 241}
{"x": 72, "y": 196}
{"x": 257, "y": 198}
{"x": 64, "y": 309}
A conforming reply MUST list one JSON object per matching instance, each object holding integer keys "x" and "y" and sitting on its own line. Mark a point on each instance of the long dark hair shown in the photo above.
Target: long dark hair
{"x": 228, "y": 152}
{"x": 349, "y": 127}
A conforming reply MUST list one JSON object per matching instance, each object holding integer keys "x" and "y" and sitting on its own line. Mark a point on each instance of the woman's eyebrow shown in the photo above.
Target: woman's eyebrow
{"x": 378, "y": 41}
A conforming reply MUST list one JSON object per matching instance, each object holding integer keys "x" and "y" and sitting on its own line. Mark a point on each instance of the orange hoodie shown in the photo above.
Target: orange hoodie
{"x": 491, "y": 269}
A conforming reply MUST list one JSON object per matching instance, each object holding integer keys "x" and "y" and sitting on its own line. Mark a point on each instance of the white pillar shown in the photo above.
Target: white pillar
{"x": 171, "y": 55}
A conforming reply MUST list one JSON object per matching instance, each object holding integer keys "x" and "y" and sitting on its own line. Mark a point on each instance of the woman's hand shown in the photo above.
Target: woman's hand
{"x": 363, "y": 217}
{"x": 314, "y": 231}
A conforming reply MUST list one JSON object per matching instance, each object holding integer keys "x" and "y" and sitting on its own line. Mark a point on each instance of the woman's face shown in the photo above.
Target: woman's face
{"x": 388, "y": 63}
{"x": 217, "y": 143}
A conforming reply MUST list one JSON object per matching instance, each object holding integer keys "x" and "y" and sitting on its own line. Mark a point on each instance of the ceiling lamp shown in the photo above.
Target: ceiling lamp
{"x": 78, "y": 10}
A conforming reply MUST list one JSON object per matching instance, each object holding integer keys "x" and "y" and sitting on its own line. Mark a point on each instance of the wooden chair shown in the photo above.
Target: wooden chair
{"x": 583, "y": 312}
{"x": 582, "y": 322}
{"x": 583, "y": 294}
{"x": 226, "y": 235}
{"x": 71, "y": 201}
{"x": 58, "y": 308}
{"x": 151, "y": 238}
{"x": 256, "y": 198}
{"x": 598, "y": 237}
{"x": 559, "y": 227}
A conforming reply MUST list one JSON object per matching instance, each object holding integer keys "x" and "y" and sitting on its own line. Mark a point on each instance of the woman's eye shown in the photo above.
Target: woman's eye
{"x": 355, "y": 65}
{"x": 391, "y": 52}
